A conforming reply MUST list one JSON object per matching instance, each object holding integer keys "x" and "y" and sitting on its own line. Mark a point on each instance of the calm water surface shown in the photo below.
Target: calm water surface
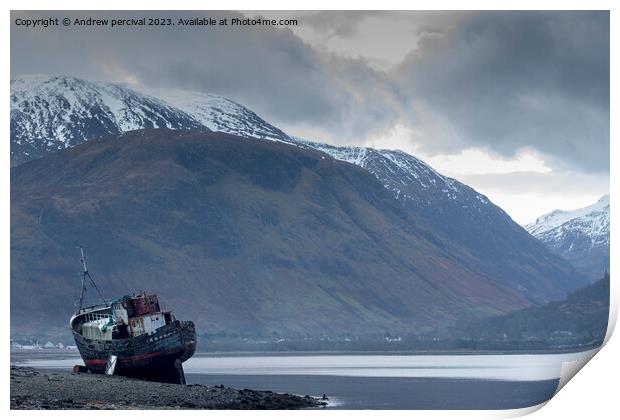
{"x": 382, "y": 381}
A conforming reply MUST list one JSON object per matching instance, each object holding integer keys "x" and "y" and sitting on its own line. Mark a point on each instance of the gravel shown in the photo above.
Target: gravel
{"x": 35, "y": 389}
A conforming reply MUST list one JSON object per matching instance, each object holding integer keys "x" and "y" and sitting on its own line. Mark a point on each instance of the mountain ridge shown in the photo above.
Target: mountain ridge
{"x": 489, "y": 241}
{"x": 582, "y": 236}
{"x": 310, "y": 245}
{"x": 580, "y": 320}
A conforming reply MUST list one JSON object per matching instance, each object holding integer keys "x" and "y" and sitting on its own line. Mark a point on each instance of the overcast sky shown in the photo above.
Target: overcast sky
{"x": 515, "y": 104}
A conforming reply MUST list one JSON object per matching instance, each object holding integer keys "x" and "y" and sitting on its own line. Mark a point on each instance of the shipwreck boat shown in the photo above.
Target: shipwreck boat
{"x": 132, "y": 336}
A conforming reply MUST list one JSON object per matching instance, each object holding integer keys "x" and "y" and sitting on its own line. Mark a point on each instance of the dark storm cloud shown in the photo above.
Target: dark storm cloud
{"x": 496, "y": 80}
{"x": 508, "y": 80}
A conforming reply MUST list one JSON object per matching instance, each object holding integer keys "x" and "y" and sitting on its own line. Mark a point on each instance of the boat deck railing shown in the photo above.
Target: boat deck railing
{"x": 97, "y": 305}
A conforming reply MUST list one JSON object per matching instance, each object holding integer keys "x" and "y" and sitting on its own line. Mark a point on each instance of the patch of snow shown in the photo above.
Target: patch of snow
{"x": 591, "y": 222}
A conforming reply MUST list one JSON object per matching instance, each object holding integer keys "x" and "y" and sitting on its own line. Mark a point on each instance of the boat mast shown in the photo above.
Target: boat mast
{"x": 83, "y": 279}
{"x": 84, "y": 275}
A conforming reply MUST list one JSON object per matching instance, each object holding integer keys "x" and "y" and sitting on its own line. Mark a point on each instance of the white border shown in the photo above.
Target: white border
{"x": 592, "y": 394}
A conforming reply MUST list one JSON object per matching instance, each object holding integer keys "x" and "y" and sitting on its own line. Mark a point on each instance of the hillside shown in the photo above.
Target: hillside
{"x": 50, "y": 113}
{"x": 466, "y": 218}
{"x": 240, "y": 235}
{"x": 580, "y": 320}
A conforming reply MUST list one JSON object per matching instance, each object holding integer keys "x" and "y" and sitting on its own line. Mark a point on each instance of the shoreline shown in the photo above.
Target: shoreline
{"x": 51, "y": 389}
{"x": 234, "y": 353}
{"x": 19, "y": 354}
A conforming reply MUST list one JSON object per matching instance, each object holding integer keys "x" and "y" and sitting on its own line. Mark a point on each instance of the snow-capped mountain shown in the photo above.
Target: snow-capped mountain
{"x": 456, "y": 210}
{"x": 581, "y": 235}
{"x": 400, "y": 172}
{"x": 218, "y": 113}
{"x": 52, "y": 113}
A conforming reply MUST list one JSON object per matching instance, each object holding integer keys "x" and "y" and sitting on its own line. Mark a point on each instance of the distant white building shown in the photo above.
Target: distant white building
{"x": 35, "y": 346}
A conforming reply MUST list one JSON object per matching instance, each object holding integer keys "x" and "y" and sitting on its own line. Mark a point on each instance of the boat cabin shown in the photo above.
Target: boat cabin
{"x": 127, "y": 317}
